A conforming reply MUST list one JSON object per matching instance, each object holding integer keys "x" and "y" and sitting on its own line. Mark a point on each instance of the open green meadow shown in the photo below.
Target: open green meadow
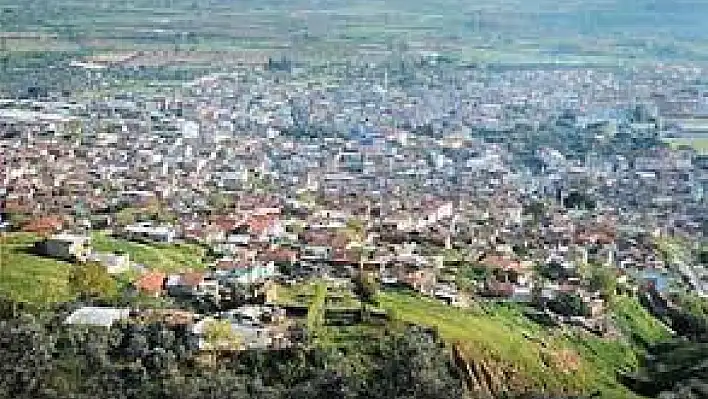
{"x": 700, "y": 144}
{"x": 512, "y": 31}
{"x": 28, "y": 278}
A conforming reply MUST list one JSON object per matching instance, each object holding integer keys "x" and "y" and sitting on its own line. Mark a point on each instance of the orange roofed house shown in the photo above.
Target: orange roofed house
{"x": 151, "y": 283}
{"x": 193, "y": 284}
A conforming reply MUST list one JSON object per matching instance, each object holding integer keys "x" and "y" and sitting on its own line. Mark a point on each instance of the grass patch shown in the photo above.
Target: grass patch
{"x": 700, "y": 144}
{"x": 519, "y": 353}
{"x": 164, "y": 257}
{"x": 29, "y": 278}
{"x": 301, "y": 294}
{"x": 636, "y": 322}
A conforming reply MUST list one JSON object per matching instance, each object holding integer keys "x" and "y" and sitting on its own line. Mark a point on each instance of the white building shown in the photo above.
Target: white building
{"x": 67, "y": 246}
{"x": 114, "y": 263}
{"x": 148, "y": 231}
{"x": 97, "y": 316}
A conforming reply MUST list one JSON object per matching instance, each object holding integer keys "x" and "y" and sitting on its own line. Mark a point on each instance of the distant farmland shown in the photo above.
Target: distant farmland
{"x": 601, "y": 30}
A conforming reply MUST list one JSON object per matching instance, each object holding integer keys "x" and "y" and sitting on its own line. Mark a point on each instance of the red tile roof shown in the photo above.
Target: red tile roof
{"x": 192, "y": 279}
{"x": 44, "y": 225}
{"x": 259, "y": 224}
{"x": 501, "y": 262}
{"x": 228, "y": 264}
{"x": 279, "y": 255}
{"x": 225, "y": 223}
{"x": 151, "y": 282}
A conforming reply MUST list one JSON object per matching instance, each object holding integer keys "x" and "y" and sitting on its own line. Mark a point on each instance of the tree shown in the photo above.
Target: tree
{"x": 91, "y": 279}
{"x": 366, "y": 288}
{"x": 220, "y": 336}
{"x": 577, "y": 200}
{"x": 674, "y": 369}
{"x": 569, "y": 304}
{"x": 553, "y": 271}
{"x": 26, "y": 353}
{"x": 220, "y": 202}
{"x": 604, "y": 280}
{"x": 539, "y": 283}
{"x": 17, "y": 219}
{"x": 536, "y": 210}
{"x": 412, "y": 364}
{"x": 703, "y": 256}
{"x": 316, "y": 315}
{"x": 126, "y": 216}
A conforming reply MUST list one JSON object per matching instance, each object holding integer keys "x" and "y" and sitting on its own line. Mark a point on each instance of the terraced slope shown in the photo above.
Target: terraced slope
{"x": 505, "y": 351}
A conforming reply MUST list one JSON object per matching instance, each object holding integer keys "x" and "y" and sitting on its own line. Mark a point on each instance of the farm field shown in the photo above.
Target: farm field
{"x": 700, "y": 144}
{"x": 163, "y": 257}
{"x": 603, "y": 31}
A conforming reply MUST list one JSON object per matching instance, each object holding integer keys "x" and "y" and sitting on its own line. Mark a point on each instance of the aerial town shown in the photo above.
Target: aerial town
{"x": 269, "y": 192}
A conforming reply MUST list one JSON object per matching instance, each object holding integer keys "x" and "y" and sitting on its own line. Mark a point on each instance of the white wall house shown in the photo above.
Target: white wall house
{"x": 148, "y": 231}
{"x": 67, "y": 246}
{"x": 114, "y": 263}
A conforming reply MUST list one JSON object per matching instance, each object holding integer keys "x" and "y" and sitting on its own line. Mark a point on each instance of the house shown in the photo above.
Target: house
{"x": 505, "y": 269}
{"x": 168, "y": 317}
{"x": 229, "y": 267}
{"x": 421, "y": 280}
{"x": 251, "y": 330}
{"x": 448, "y": 293}
{"x": 151, "y": 284}
{"x": 66, "y": 246}
{"x": 256, "y": 273}
{"x": 208, "y": 235}
{"x": 97, "y": 316}
{"x": 44, "y": 225}
{"x": 315, "y": 252}
{"x": 498, "y": 289}
{"x": 414, "y": 273}
{"x": 146, "y": 231}
{"x": 195, "y": 284}
{"x": 596, "y": 307}
{"x": 279, "y": 256}
{"x": 244, "y": 272}
{"x": 257, "y": 314}
{"x": 264, "y": 227}
{"x": 114, "y": 263}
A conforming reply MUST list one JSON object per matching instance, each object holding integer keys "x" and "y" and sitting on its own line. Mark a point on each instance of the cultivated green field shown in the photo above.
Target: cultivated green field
{"x": 164, "y": 257}
{"x": 699, "y": 144}
{"x": 511, "y": 30}
{"x": 304, "y": 293}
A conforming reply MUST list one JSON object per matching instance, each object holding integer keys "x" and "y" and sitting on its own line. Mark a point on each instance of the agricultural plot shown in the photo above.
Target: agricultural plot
{"x": 163, "y": 257}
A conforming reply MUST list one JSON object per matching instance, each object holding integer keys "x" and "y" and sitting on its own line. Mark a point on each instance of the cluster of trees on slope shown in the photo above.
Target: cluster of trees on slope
{"x": 48, "y": 360}
{"x": 677, "y": 369}
{"x": 45, "y": 359}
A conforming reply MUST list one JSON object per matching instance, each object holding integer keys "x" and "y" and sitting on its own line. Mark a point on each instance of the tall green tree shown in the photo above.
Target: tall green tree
{"x": 91, "y": 280}
{"x": 604, "y": 280}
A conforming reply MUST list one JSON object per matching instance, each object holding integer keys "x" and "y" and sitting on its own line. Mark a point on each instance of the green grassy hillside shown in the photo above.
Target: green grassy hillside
{"x": 29, "y": 278}
{"x": 523, "y": 356}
